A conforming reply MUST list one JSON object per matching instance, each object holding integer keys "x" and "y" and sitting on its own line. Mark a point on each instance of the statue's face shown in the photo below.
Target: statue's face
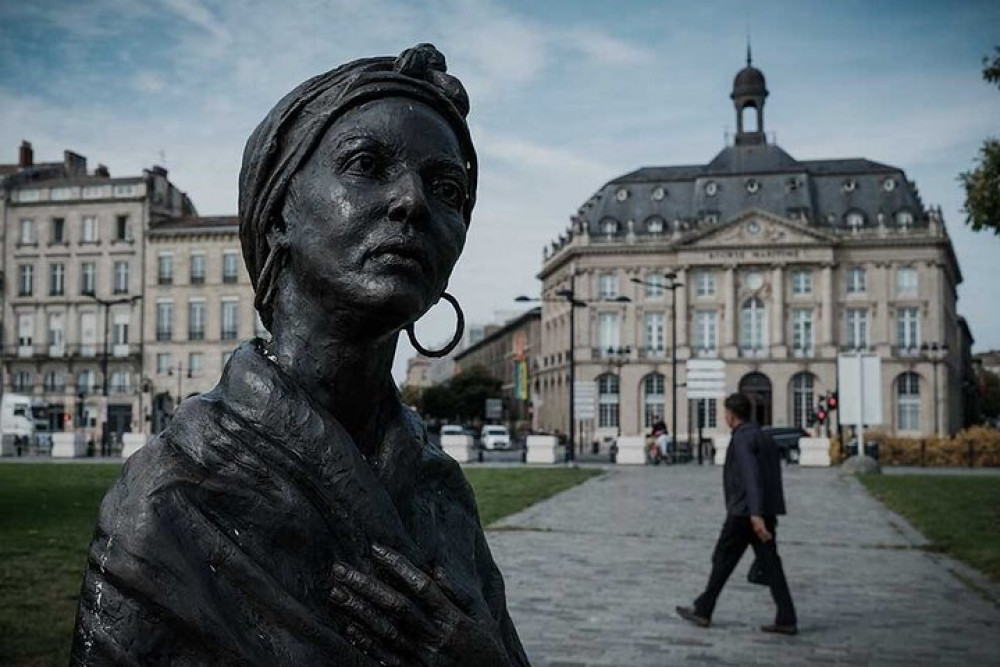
{"x": 374, "y": 218}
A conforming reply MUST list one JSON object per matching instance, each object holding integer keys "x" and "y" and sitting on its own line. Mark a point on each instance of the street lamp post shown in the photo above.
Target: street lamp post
{"x": 569, "y": 296}
{"x": 672, "y": 285}
{"x": 935, "y": 352}
{"x": 107, "y": 303}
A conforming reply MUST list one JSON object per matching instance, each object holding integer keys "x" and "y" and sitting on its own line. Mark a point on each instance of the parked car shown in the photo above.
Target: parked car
{"x": 494, "y": 436}
{"x": 787, "y": 440}
{"x": 453, "y": 429}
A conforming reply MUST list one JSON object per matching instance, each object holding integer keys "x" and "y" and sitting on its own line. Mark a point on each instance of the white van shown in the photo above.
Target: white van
{"x": 16, "y": 420}
{"x": 495, "y": 436}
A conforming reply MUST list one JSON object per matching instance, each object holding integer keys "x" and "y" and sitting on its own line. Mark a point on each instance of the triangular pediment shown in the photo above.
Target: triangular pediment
{"x": 755, "y": 228}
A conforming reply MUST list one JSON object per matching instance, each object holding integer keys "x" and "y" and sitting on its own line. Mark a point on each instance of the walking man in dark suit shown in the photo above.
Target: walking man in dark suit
{"x": 754, "y": 499}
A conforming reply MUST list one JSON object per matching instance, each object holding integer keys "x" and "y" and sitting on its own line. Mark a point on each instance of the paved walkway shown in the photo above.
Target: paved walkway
{"x": 593, "y": 576}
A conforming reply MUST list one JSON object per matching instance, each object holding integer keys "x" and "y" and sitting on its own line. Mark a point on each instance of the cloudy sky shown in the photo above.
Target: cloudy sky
{"x": 566, "y": 95}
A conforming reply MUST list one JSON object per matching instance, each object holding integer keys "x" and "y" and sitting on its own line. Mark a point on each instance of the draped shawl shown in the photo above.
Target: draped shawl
{"x": 215, "y": 545}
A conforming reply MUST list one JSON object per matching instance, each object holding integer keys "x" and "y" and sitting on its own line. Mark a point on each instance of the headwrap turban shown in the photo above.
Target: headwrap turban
{"x": 285, "y": 139}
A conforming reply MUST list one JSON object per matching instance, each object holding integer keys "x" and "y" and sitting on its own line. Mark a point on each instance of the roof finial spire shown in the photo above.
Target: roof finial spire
{"x": 749, "y": 56}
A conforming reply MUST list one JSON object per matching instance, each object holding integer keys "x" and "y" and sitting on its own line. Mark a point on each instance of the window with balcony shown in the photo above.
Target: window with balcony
{"x": 27, "y": 232}
{"x": 164, "y": 320}
{"x": 57, "y": 279}
{"x": 753, "y": 327}
{"x": 119, "y": 334}
{"x": 908, "y": 402}
{"x": 58, "y": 230}
{"x": 704, "y": 283}
{"x": 608, "y": 286}
{"x": 165, "y": 269}
{"x": 230, "y": 320}
{"x": 706, "y": 328}
{"x": 230, "y": 267}
{"x": 57, "y": 334}
{"x": 608, "y": 332}
{"x": 25, "y": 280}
{"x": 120, "y": 382}
{"x": 654, "y": 330}
{"x": 908, "y": 331}
{"x": 121, "y": 228}
{"x": 855, "y": 280}
{"x": 802, "y": 332}
{"x": 196, "y": 320}
{"x": 88, "y": 278}
{"x": 802, "y": 399}
{"x": 906, "y": 281}
{"x": 607, "y": 401}
{"x": 654, "y": 285}
{"x": 54, "y": 381}
{"x": 801, "y": 282}
{"x": 197, "y": 269}
{"x": 23, "y": 382}
{"x": 195, "y": 365}
{"x": 86, "y": 382}
{"x": 857, "y": 328}
{"x": 89, "y": 229}
{"x": 121, "y": 278}
{"x": 25, "y": 334}
{"x": 162, "y": 363}
{"x": 654, "y": 399}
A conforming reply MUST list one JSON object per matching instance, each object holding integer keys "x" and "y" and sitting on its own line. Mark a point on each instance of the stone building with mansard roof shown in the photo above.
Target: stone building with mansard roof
{"x": 784, "y": 264}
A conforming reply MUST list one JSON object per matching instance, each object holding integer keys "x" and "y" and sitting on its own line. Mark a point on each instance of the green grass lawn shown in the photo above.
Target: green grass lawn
{"x": 959, "y": 515}
{"x": 47, "y": 515}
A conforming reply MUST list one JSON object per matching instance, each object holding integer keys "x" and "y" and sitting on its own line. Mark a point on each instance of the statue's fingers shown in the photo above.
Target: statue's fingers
{"x": 386, "y": 598}
{"x": 376, "y": 623}
{"x": 413, "y": 578}
{"x": 370, "y": 647}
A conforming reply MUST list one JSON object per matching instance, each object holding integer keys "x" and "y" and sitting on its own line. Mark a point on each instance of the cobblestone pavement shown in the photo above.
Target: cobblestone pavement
{"x": 593, "y": 576}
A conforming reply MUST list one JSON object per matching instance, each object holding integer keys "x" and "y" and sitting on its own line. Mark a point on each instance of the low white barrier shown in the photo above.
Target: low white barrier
{"x": 68, "y": 445}
{"x": 458, "y": 446}
{"x": 543, "y": 449}
{"x": 631, "y": 450}
{"x": 814, "y": 452}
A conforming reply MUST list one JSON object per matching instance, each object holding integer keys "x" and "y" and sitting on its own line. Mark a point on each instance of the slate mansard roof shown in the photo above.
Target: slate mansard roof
{"x": 765, "y": 177}
{"x": 837, "y": 194}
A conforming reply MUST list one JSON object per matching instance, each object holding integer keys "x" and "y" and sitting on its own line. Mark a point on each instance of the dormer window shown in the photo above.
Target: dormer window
{"x": 752, "y": 185}
{"x": 609, "y": 226}
{"x": 850, "y": 185}
{"x": 889, "y": 184}
{"x": 654, "y": 225}
{"x": 658, "y": 193}
{"x": 904, "y": 219}
{"x": 855, "y": 219}
{"x": 711, "y": 188}
{"x": 622, "y": 194}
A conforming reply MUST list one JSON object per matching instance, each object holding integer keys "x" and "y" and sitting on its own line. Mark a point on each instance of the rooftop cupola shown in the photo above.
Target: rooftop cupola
{"x": 749, "y": 92}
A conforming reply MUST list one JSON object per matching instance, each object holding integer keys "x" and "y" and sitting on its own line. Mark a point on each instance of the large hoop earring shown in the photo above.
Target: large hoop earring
{"x": 455, "y": 340}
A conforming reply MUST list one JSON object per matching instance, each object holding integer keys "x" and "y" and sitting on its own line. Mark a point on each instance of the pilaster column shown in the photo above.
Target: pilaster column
{"x": 681, "y": 294}
{"x": 826, "y": 293}
{"x": 729, "y": 326}
{"x": 778, "y": 319}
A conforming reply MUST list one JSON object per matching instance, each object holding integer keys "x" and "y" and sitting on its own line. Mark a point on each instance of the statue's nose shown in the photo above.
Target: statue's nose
{"x": 408, "y": 201}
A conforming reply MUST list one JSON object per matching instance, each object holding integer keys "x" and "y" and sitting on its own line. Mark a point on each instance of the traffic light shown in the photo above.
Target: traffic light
{"x": 832, "y": 401}
{"x": 822, "y": 412}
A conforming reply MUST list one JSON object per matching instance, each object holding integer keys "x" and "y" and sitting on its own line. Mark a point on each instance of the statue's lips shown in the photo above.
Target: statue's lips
{"x": 402, "y": 253}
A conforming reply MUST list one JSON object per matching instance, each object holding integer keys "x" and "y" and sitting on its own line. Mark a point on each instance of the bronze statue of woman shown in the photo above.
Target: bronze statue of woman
{"x": 297, "y": 514}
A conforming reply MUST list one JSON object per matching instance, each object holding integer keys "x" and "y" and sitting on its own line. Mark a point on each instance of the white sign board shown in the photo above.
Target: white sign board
{"x": 494, "y": 408}
{"x": 859, "y": 385}
{"x": 584, "y": 400}
{"x": 706, "y": 378}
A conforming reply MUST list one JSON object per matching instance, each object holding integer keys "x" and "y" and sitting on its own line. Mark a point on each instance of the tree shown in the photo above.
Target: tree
{"x": 412, "y": 396}
{"x": 989, "y": 398}
{"x": 982, "y": 184}
{"x": 462, "y": 397}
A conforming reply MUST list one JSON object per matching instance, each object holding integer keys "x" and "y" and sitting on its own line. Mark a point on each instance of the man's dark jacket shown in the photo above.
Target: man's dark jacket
{"x": 752, "y": 474}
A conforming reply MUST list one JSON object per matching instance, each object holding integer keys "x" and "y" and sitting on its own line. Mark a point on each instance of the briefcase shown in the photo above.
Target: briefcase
{"x": 756, "y": 575}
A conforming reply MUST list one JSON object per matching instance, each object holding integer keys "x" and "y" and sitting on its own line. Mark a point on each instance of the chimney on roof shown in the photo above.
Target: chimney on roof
{"x": 26, "y": 156}
{"x": 75, "y": 164}
{"x": 102, "y": 171}
{"x": 159, "y": 171}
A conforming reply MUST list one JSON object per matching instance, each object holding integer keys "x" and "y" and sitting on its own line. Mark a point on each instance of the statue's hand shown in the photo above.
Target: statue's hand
{"x": 414, "y": 619}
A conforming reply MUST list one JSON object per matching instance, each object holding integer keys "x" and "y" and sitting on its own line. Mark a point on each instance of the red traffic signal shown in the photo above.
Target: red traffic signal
{"x": 821, "y": 415}
{"x": 832, "y": 401}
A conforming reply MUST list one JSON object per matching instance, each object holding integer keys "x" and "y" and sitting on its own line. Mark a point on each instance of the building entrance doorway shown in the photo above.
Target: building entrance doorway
{"x": 757, "y": 388}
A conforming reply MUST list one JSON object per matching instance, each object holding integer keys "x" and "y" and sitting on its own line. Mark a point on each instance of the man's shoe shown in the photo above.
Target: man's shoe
{"x": 781, "y": 629}
{"x": 689, "y": 615}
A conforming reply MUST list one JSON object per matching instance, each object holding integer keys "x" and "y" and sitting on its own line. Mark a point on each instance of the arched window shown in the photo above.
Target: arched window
{"x": 654, "y": 399}
{"x": 802, "y": 398}
{"x": 607, "y": 401}
{"x": 904, "y": 218}
{"x": 855, "y": 219}
{"x": 908, "y": 402}
{"x": 609, "y": 226}
{"x": 753, "y": 327}
{"x": 655, "y": 225}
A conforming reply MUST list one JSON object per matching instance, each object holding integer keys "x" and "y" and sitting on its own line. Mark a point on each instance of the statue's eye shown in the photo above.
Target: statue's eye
{"x": 449, "y": 192}
{"x": 363, "y": 163}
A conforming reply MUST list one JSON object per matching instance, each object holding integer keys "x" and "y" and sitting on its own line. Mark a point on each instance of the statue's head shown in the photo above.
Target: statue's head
{"x": 357, "y": 190}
